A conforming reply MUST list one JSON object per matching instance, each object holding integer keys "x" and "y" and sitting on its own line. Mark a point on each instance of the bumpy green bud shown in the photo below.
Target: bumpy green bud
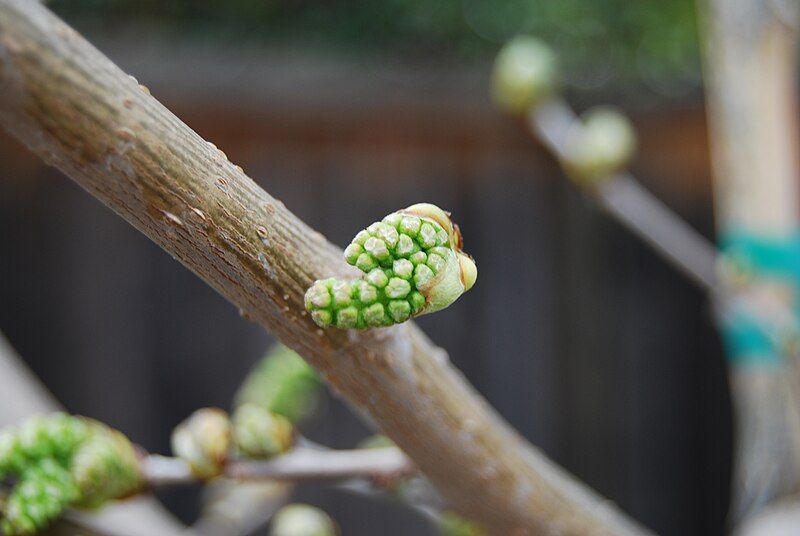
{"x": 452, "y": 524}
{"x": 259, "y": 433}
{"x": 302, "y": 520}
{"x": 203, "y": 441}
{"x": 283, "y": 383}
{"x": 52, "y": 436}
{"x": 106, "y": 467}
{"x": 42, "y": 493}
{"x": 525, "y": 72}
{"x": 602, "y": 143}
{"x": 59, "y": 461}
{"x": 413, "y": 264}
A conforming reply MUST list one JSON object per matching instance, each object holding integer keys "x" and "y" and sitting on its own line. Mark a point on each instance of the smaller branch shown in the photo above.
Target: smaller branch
{"x": 298, "y": 465}
{"x": 625, "y": 200}
{"x": 630, "y": 204}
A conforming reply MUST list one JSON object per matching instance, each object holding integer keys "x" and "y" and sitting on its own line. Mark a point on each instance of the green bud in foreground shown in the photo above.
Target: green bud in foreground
{"x": 525, "y": 72}
{"x": 283, "y": 383}
{"x": 44, "y": 490}
{"x": 259, "y": 433}
{"x": 61, "y": 461}
{"x": 105, "y": 467}
{"x": 302, "y": 520}
{"x": 203, "y": 441}
{"x": 600, "y": 144}
{"x": 413, "y": 264}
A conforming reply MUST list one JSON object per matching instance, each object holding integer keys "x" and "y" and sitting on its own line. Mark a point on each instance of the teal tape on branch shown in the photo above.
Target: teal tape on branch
{"x": 771, "y": 258}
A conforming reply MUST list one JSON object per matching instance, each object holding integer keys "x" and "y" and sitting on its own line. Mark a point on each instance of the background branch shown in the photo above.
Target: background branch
{"x": 628, "y": 203}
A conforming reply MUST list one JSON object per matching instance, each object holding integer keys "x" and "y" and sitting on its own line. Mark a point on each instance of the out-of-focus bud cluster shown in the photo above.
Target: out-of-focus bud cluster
{"x": 209, "y": 437}
{"x": 203, "y": 441}
{"x": 60, "y": 461}
{"x": 525, "y": 73}
{"x": 283, "y": 383}
{"x": 302, "y": 520}
{"x": 600, "y": 144}
{"x": 260, "y": 433}
{"x": 280, "y": 391}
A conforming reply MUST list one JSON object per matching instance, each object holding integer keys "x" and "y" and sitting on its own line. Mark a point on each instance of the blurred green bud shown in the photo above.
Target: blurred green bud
{"x": 452, "y": 524}
{"x": 602, "y": 143}
{"x": 302, "y": 520}
{"x": 525, "y": 72}
{"x": 377, "y": 441}
{"x": 283, "y": 383}
{"x": 259, "y": 433}
{"x": 203, "y": 441}
{"x": 106, "y": 467}
{"x": 42, "y": 493}
{"x": 59, "y": 461}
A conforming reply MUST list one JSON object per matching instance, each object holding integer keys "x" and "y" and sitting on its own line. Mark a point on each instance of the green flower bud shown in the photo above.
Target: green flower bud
{"x": 525, "y": 72}
{"x": 59, "y": 461}
{"x": 602, "y": 143}
{"x": 42, "y": 493}
{"x": 259, "y": 433}
{"x": 51, "y": 436}
{"x": 412, "y": 263}
{"x": 302, "y": 520}
{"x": 283, "y": 383}
{"x": 203, "y": 441}
{"x": 106, "y": 467}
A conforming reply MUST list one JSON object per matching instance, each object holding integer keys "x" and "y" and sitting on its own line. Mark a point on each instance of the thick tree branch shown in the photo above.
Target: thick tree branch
{"x": 82, "y": 114}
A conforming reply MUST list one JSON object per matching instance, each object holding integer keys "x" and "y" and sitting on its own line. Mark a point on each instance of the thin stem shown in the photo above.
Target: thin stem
{"x": 633, "y": 206}
{"x": 301, "y": 464}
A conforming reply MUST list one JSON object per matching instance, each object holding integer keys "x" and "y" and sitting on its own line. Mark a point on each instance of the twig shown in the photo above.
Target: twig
{"x": 630, "y": 204}
{"x": 75, "y": 108}
{"x": 298, "y": 465}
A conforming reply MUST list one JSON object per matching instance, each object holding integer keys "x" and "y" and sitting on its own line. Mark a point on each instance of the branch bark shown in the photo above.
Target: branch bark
{"x": 82, "y": 114}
